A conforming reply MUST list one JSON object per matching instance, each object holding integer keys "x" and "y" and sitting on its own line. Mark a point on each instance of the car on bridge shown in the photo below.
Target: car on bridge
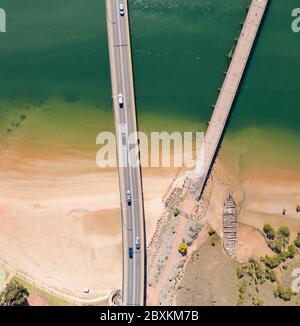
{"x": 123, "y": 138}
{"x": 130, "y": 252}
{"x": 121, "y": 101}
{"x": 128, "y": 196}
{"x": 137, "y": 243}
{"x": 122, "y": 11}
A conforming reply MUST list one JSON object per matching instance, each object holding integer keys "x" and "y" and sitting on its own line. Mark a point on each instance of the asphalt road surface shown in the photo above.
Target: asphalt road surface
{"x": 133, "y": 223}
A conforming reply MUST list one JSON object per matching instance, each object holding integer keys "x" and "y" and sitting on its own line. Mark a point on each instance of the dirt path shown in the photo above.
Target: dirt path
{"x": 155, "y": 290}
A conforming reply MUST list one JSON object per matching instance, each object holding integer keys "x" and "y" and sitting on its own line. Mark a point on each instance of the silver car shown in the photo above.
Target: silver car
{"x": 123, "y": 138}
{"x": 137, "y": 243}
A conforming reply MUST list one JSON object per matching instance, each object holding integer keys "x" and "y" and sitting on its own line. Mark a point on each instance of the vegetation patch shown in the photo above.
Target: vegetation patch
{"x": 213, "y": 236}
{"x": 51, "y": 299}
{"x": 269, "y": 231}
{"x": 176, "y": 212}
{"x": 183, "y": 248}
{"x": 297, "y": 240}
{"x": 14, "y": 294}
{"x": 258, "y": 271}
{"x": 284, "y": 294}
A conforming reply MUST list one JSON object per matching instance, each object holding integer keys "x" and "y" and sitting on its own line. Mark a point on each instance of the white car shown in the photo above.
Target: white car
{"x": 121, "y": 101}
{"x": 122, "y": 12}
{"x": 137, "y": 243}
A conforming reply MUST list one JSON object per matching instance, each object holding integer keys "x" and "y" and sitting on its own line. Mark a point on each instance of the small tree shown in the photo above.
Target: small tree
{"x": 240, "y": 271}
{"x": 284, "y": 233}
{"x": 257, "y": 268}
{"x": 292, "y": 250}
{"x": 211, "y": 231}
{"x": 241, "y": 299}
{"x": 297, "y": 240}
{"x": 271, "y": 244}
{"x": 243, "y": 287}
{"x": 257, "y": 302}
{"x": 284, "y": 294}
{"x": 14, "y": 294}
{"x": 176, "y": 212}
{"x": 278, "y": 245}
{"x": 283, "y": 256}
{"x": 183, "y": 247}
{"x": 272, "y": 262}
{"x": 269, "y": 231}
{"x": 270, "y": 275}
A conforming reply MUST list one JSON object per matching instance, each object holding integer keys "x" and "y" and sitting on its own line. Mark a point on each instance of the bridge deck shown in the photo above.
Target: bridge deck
{"x": 230, "y": 86}
{"x": 130, "y": 179}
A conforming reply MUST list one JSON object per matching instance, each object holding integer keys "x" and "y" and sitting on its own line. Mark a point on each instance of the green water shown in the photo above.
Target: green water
{"x": 55, "y": 71}
{"x": 55, "y": 48}
{"x": 185, "y": 43}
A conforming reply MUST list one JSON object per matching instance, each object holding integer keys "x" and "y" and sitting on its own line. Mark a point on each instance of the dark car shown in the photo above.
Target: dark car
{"x": 130, "y": 252}
{"x": 128, "y": 196}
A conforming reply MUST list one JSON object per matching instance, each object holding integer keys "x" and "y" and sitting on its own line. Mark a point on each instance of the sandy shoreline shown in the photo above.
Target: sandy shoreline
{"x": 60, "y": 219}
{"x": 60, "y": 216}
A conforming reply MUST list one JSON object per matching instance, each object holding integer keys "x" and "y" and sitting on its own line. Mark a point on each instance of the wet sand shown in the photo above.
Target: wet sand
{"x": 60, "y": 219}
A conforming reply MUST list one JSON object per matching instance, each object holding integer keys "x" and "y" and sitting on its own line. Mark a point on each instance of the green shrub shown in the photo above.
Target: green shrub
{"x": 211, "y": 231}
{"x": 283, "y": 256}
{"x": 269, "y": 231}
{"x": 176, "y": 212}
{"x": 271, "y": 244}
{"x": 241, "y": 299}
{"x": 257, "y": 302}
{"x": 257, "y": 267}
{"x": 284, "y": 233}
{"x": 183, "y": 247}
{"x": 278, "y": 245}
{"x": 292, "y": 250}
{"x": 14, "y": 294}
{"x": 241, "y": 271}
{"x": 284, "y": 294}
{"x": 297, "y": 240}
{"x": 242, "y": 292}
{"x": 243, "y": 287}
{"x": 270, "y": 275}
{"x": 272, "y": 262}
{"x": 213, "y": 237}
